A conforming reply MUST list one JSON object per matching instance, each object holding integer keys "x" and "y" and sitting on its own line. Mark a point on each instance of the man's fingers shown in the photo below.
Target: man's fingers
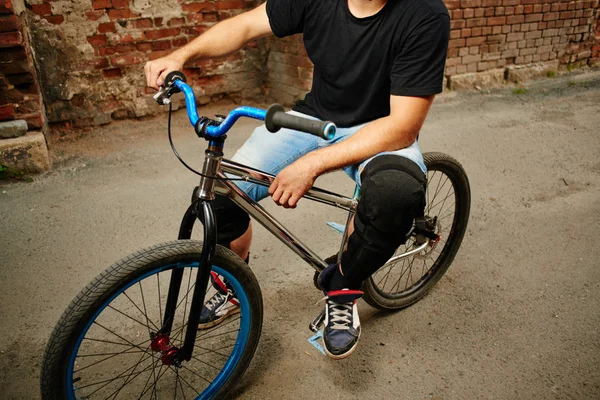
{"x": 273, "y": 187}
{"x": 276, "y": 195}
{"x": 293, "y": 200}
{"x": 283, "y": 200}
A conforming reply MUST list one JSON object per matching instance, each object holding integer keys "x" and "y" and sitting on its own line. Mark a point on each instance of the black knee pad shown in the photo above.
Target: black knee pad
{"x": 232, "y": 221}
{"x": 392, "y": 195}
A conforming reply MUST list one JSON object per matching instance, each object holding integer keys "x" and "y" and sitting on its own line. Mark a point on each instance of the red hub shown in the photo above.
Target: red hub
{"x": 170, "y": 356}
{"x": 160, "y": 343}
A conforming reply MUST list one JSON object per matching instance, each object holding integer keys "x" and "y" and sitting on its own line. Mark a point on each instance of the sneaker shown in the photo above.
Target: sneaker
{"x": 223, "y": 304}
{"x": 341, "y": 329}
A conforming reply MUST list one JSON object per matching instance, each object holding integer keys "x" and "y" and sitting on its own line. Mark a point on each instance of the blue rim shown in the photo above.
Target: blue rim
{"x": 235, "y": 356}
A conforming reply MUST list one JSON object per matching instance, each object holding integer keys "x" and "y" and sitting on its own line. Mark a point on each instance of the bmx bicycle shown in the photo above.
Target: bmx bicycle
{"x": 133, "y": 331}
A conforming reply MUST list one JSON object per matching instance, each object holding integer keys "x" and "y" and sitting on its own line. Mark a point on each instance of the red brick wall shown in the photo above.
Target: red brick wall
{"x": 486, "y": 35}
{"x": 595, "y": 60}
{"x": 92, "y": 52}
{"x": 19, "y": 91}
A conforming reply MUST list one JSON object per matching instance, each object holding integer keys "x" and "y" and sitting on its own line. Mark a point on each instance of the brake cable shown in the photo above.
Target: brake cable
{"x": 181, "y": 159}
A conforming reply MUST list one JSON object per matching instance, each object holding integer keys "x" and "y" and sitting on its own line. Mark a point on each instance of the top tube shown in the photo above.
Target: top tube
{"x": 223, "y": 127}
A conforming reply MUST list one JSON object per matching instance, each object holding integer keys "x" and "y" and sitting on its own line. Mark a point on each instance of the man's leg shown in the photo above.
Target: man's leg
{"x": 392, "y": 195}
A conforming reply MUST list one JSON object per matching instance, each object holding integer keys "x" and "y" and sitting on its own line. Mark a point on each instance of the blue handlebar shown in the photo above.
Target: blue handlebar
{"x": 223, "y": 127}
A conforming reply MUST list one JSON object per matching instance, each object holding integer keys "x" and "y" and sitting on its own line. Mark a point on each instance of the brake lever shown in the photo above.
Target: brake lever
{"x": 162, "y": 96}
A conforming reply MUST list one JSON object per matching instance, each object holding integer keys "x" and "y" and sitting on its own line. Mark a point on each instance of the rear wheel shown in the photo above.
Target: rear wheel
{"x": 106, "y": 345}
{"x": 400, "y": 283}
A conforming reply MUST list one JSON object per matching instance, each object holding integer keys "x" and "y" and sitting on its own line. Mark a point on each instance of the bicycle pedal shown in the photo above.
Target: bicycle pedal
{"x": 316, "y": 324}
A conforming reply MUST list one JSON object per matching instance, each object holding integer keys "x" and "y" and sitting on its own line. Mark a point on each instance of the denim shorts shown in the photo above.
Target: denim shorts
{"x": 272, "y": 152}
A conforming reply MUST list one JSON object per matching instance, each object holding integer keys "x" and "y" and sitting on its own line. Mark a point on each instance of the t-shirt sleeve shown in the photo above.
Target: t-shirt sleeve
{"x": 418, "y": 69}
{"x": 286, "y": 17}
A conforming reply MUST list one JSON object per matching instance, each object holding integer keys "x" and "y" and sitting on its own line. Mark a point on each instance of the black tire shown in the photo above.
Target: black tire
{"x": 377, "y": 293}
{"x": 69, "y": 335}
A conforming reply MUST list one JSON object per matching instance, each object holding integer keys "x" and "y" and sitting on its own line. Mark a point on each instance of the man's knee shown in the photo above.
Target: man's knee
{"x": 392, "y": 195}
{"x": 232, "y": 221}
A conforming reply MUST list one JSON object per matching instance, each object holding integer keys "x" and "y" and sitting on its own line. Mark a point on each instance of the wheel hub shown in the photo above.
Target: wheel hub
{"x": 160, "y": 344}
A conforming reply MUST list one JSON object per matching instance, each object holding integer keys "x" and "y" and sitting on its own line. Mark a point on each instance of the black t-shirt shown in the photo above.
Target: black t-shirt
{"x": 359, "y": 62}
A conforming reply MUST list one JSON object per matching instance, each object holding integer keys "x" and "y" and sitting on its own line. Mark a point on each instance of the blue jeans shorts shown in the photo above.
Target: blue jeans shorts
{"x": 272, "y": 152}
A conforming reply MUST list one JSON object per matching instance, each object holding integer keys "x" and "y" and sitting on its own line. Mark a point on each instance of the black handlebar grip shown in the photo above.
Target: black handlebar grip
{"x": 172, "y": 77}
{"x": 277, "y": 118}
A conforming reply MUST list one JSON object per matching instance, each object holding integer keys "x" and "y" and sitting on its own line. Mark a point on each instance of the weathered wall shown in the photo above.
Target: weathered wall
{"x": 19, "y": 90}
{"x": 492, "y": 42}
{"x": 91, "y": 55}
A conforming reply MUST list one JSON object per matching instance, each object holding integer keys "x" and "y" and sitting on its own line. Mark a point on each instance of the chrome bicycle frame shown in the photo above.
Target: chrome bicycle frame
{"x": 227, "y": 188}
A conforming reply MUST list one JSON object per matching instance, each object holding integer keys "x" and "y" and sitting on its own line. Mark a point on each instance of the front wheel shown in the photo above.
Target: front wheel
{"x": 105, "y": 345}
{"x": 402, "y": 282}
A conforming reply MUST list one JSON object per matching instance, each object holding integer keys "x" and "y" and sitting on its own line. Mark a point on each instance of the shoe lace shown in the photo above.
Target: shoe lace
{"x": 340, "y": 315}
{"x": 217, "y": 299}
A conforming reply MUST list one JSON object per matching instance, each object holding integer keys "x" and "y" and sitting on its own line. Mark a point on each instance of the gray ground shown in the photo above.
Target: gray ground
{"x": 515, "y": 317}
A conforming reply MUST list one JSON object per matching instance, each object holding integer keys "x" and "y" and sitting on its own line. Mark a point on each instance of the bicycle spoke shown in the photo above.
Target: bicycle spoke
{"x": 195, "y": 373}
{"x": 159, "y": 297}
{"x": 110, "y": 354}
{"x": 217, "y": 327}
{"x": 145, "y": 310}
{"x": 185, "y": 307}
{"x": 108, "y": 358}
{"x": 136, "y": 306}
{"x": 180, "y": 385}
{"x": 187, "y": 383}
{"x": 112, "y": 380}
{"x": 221, "y": 334}
{"x": 128, "y": 316}
{"x": 204, "y": 362}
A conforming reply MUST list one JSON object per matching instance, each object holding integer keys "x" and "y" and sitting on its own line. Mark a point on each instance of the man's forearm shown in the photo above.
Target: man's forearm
{"x": 383, "y": 134}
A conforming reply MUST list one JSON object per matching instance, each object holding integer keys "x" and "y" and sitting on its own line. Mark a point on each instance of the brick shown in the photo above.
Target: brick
{"x": 506, "y": 29}
{"x": 496, "y": 39}
{"x": 176, "y": 22}
{"x": 473, "y": 50}
{"x": 112, "y": 73}
{"x": 121, "y": 14}
{"x": 511, "y": 2}
{"x": 534, "y": 17}
{"x": 94, "y": 15}
{"x": 15, "y": 67}
{"x": 141, "y": 23}
{"x": 458, "y": 24}
{"x": 550, "y": 16}
{"x": 528, "y": 51}
{"x": 515, "y": 36}
{"x": 510, "y": 53}
{"x": 6, "y": 7}
{"x": 550, "y": 32}
{"x": 100, "y": 4}
{"x": 158, "y": 54}
{"x": 479, "y": 12}
{"x": 456, "y": 43}
{"x": 231, "y": 5}
{"x": 473, "y": 58}
{"x": 455, "y": 34}
{"x": 180, "y": 42}
{"x": 470, "y": 3}
{"x": 97, "y": 40}
{"x": 496, "y": 21}
{"x": 476, "y": 22}
{"x": 107, "y": 27}
{"x": 41, "y": 9}
{"x": 468, "y": 13}
{"x": 162, "y": 33}
{"x": 533, "y": 35}
{"x": 161, "y": 45}
{"x": 475, "y": 41}
{"x": 7, "y": 112}
{"x": 452, "y": 4}
{"x": 55, "y": 19}
{"x": 10, "y": 23}
{"x": 515, "y": 19}
{"x": 489, "y": 12}
{"x": 196, "y": 18}
{"x": 158, "y": 22}
{"x": 518, "y": 10}
{"x": 120, "y": 3}
{"x": 491, "y": 3}
{"x": 465, "y": 33}
{"x": 198, "y": 7}
{"x": 10, "y": 39}
{"x": 12, "y": 129}
{"x": 144, "y": 47}
{"x": 499, "y": 11}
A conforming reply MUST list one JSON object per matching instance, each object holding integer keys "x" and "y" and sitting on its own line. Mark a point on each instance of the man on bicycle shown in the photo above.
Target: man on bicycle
{"x": 378, "y": 65}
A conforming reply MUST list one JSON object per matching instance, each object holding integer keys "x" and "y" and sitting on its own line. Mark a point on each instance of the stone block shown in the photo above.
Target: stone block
{"x": 13, "y": 129}
{"x": 487, "y": 79}
{"x": 26, "y": 153}
{"x": 522, "y": 73}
